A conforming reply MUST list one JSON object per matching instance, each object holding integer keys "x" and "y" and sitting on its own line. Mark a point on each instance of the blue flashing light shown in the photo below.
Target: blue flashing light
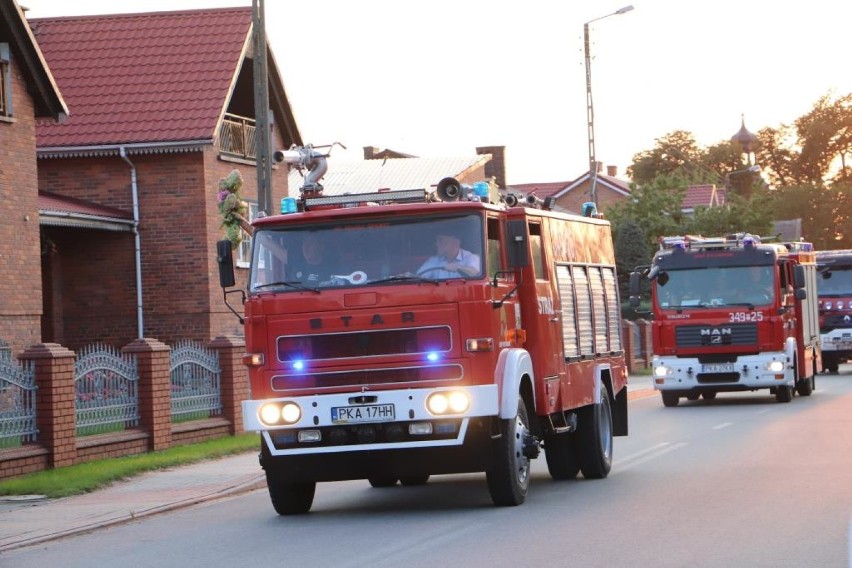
{"x": 288, "y": 205}
{"x": 748, "y": 242}
{"x": 298, "y": 365}
{"x": 480, "y": 189}
{"x": 432, "y": 356}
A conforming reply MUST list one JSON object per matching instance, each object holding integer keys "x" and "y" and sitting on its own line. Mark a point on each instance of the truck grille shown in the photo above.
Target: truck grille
{"x": 716, "y": 335}
{"x": 364, "y": 343}
{"x": 359, "y": 377}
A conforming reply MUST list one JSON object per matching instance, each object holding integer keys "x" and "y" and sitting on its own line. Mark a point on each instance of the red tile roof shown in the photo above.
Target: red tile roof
{"x": 702, "y": 195}
{"x": 135, "y": 78}
{"x": 61, "y": 204}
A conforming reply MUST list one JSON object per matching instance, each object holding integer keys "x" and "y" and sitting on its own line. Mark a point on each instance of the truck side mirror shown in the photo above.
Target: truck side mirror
{"x": 517, "y": 251}
{"x": 798, "y": 277}
{"x": 225, "y": 260}
{"x": 801, "y": 293}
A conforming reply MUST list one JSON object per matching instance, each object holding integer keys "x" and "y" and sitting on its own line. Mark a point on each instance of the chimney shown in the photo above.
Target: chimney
{"x": 370, "y": 152}
{"x": 612, "y": 171}
{"x": 599, "y": 167}
{"x": 496, "y": 166}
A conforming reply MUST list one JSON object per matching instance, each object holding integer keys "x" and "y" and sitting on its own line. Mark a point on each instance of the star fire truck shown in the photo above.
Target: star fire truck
{"x": 392, "y": 373}
{"x": 732, "y": 314}
{"x": 835, "y": 307}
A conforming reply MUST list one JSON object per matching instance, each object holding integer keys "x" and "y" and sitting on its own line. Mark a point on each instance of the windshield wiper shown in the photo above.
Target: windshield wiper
{"x": 405, "y": 278}
{"x": 295, "y": 284}
{"x": 749, "y": 305}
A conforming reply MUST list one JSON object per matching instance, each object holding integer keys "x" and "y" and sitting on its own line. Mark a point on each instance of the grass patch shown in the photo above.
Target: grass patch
{"x": 89, "y": 476}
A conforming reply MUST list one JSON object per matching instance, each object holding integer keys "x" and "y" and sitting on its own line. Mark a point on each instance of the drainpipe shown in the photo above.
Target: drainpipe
{"x": 140, "y": 326}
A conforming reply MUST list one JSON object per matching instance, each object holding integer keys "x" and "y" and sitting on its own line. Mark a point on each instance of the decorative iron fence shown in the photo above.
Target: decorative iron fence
{"x": 237, "y": 137}
{"x": 195, "y": 382}
{"x": 17, "y": 403}
{"x": 107, "y": 390}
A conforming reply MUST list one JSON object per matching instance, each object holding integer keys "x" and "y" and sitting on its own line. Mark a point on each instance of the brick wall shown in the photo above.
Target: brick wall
{"x": 20, "y": 265}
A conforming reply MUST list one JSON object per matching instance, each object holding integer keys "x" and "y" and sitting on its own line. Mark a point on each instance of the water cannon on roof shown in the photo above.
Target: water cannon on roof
{"x": 311, "y": 158}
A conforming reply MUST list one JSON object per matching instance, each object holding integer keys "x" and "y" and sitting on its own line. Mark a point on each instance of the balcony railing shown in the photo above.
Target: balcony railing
{"x": 237, "y": 137}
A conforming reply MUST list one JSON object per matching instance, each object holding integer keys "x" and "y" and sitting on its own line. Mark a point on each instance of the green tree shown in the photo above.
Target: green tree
{"x": 655, "y": 206}
{"x": 739, "y": 214}
{"x": 631, "y": 250}
{"x": 675, "y": 153}
{"x": 826, "y": 213}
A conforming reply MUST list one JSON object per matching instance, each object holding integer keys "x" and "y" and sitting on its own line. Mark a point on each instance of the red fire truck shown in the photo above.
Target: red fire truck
{"x": 835, "y": 307}
{"x": 395, "y": 363}
{"x": 732, "y": 314}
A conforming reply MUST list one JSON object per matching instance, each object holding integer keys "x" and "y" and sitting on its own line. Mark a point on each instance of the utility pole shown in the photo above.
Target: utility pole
{"x": 261, "y": 110}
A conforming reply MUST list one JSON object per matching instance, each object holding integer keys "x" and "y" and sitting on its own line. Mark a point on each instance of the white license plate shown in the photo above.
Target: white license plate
{"x": 366, "y": 413}
{"x": 717, "y": 368}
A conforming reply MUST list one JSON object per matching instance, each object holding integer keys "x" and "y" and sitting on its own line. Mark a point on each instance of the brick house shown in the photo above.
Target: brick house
{"x": 570, "y": 195}
{"x": 28, "y": 93}
{"x": 162, "y": 108}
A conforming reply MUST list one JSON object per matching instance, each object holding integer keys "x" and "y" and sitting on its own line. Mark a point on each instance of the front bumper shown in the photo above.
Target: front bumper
{"x": 747, "y": 372}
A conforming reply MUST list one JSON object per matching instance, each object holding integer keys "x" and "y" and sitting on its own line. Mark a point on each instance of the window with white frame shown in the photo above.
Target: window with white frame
{"x": 5, "y": 81}
{"x": 244, "y": 250}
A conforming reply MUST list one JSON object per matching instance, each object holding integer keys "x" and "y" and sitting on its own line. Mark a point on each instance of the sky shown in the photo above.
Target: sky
{"x": 439, "y": 78}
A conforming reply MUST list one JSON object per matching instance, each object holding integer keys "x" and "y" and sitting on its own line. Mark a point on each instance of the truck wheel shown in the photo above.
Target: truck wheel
{"x": 669, "y": 398}
{"x": 830, "y": 363}
{"x": 290, "y": 498}
{"x": 382, "y": 481}
{"x": 784, "y": 393}
{"x": 693, "y": 396}
{"x": 805, "y": 386}
{"x": 414, "y": 480}
{"x": 595, "y": 434}
{"x": 709, "y": 395}
{"x": 560, "y": 451}
{"x": 509, "y": 477}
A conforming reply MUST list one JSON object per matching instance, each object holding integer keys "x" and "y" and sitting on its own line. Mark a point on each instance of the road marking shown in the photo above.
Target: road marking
{"x": 722, "y": 425}
{"x": 647, "y": 454}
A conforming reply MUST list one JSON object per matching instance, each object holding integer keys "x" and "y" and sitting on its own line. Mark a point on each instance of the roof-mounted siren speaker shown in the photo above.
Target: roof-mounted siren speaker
{"x": 511, "y": 200}
{"x": 533, "y": 201}
{"x": 449, "y": 189}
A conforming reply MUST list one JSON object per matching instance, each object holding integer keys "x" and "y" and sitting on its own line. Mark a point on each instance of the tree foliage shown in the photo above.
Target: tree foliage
{"x": 631, "y": 250}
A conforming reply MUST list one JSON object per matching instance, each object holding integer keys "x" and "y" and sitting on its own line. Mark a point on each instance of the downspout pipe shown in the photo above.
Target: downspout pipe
{"x": 140, "y": 322}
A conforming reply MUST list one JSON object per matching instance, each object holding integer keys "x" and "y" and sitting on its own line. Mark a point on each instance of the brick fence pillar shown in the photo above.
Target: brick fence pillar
{"x": 155, "y": 402}
{"x": 647, "y": 346}
{"x": 56, "y": 401}
{"x": 234, "y": 380}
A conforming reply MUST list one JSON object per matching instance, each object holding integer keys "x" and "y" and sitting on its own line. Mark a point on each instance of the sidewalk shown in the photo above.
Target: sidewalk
{"x": 32, "y": 520}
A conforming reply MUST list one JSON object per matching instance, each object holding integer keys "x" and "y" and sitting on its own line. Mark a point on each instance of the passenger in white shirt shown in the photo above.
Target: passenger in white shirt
{"x": 452, "y": 261}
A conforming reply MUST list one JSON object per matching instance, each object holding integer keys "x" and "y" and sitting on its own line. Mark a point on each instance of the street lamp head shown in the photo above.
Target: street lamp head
{"x": 624, "y": 10}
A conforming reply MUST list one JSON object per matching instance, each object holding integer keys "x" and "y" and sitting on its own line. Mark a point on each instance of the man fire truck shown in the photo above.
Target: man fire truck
{"x": 392, "y": 371}
{"x": 835, "y": 307}
{"x": 732, "y": 314}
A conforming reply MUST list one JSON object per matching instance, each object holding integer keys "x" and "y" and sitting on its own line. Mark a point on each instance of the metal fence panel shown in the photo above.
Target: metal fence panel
{"x": 107, "y": 390}
{"x": 17, "y": 403}
{"x": 195, "y": 377}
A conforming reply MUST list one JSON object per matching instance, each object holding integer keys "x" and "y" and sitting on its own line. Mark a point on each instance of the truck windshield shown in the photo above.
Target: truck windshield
{"x": 292, "y": 258}
{"x": 837, "y": 282}
{"x": 716, "y": 286}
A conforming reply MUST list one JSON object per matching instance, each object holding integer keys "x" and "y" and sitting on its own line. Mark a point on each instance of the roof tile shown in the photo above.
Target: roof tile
{"x": 133, "y": 78}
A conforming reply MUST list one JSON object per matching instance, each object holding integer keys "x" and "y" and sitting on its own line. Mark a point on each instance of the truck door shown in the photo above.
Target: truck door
{"x": 544, "y": 322}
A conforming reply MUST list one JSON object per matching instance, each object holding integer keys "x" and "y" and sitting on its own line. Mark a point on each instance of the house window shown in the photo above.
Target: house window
{"x": 5, "y": 81}
{"x": 244, "y": 250}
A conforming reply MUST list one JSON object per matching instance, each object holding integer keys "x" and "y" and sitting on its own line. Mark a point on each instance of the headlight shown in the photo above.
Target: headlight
{"x": 775, "y": 366}
{"x": 278, "y": 413}
{"x": 448, "y": 402}
{"x": 662, "y": 371}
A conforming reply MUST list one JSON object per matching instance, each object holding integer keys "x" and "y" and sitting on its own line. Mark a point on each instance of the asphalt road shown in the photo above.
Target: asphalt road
{"x": 738, "y": 481}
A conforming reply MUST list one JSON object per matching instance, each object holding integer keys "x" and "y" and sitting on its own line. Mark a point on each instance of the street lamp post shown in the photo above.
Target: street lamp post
{"x": 590, "y": 112}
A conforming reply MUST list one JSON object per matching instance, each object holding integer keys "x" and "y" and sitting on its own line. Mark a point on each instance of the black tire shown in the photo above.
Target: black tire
{"x": 560, "y": 452}
{"x": 412, "y": 480}
{"x": 805, "y": 386}
{"x": 509, "y": 477}
{"x": 830, "y": 363}
{"x": 595, "y": 438}
{"x": 708, "y": 395}
{"x": 693, "y": 396}
{"x": 382, "y": 481}
{"x": 289, "y": 498}
{"x": 669, "y": 398}
{"x": 784, "y": 393}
